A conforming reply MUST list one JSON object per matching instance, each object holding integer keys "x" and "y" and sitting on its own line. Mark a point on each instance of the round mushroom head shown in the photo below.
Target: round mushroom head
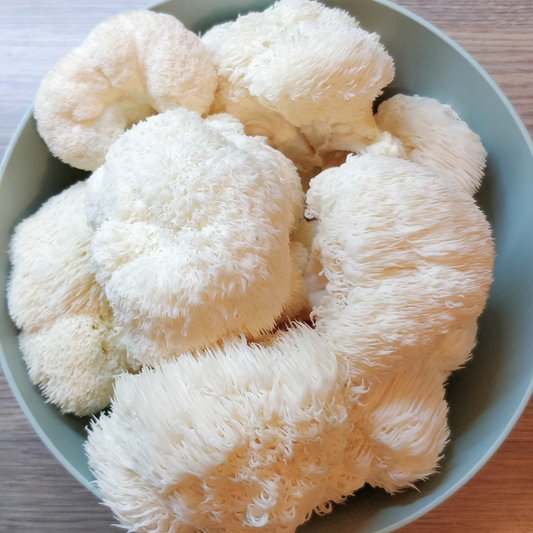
{"x": 131, "y": 66}
{"x": 407, "y": 257}
{"x": 192, "y": 233}
{"x": 70, "y": 341}
{"x": 240, "y": 436}
{"x": 433, "y": 135}
{"x": 311, "y": 64}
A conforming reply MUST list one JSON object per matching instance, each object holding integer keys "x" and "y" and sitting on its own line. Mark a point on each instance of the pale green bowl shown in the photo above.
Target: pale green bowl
{"x": 488, "y": 396}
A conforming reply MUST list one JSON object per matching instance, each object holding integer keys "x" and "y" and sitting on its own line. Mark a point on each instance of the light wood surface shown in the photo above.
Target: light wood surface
{"x": 36, "y": 493}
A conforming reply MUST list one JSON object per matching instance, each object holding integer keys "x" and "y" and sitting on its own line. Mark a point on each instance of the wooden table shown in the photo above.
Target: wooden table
{"x": 36, "y": 493}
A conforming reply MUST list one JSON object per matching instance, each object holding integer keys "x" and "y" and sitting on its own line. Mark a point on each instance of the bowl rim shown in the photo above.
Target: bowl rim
{"x": 90, "y": 485}
{"x": 465, "y": 478}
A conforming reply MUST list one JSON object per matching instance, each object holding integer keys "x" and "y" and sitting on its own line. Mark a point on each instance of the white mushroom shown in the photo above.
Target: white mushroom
{"x": 131, "y": 66}
{"x": 434, "y": 136}
{"x": 73, "y": 346}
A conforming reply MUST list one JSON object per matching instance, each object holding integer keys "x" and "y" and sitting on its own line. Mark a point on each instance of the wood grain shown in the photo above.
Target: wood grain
{"x": 36, "y": 493}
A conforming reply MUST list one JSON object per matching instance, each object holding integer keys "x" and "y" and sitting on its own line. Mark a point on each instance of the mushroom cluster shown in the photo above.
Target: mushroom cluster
{"x": 268, "y": 283}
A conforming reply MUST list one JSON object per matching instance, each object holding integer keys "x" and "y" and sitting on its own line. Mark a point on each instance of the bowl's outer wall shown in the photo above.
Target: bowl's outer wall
{"x": 487, "y": 397}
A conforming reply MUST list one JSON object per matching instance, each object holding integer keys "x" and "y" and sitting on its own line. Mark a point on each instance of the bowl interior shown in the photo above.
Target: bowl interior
{"x": 486, "y": 397}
